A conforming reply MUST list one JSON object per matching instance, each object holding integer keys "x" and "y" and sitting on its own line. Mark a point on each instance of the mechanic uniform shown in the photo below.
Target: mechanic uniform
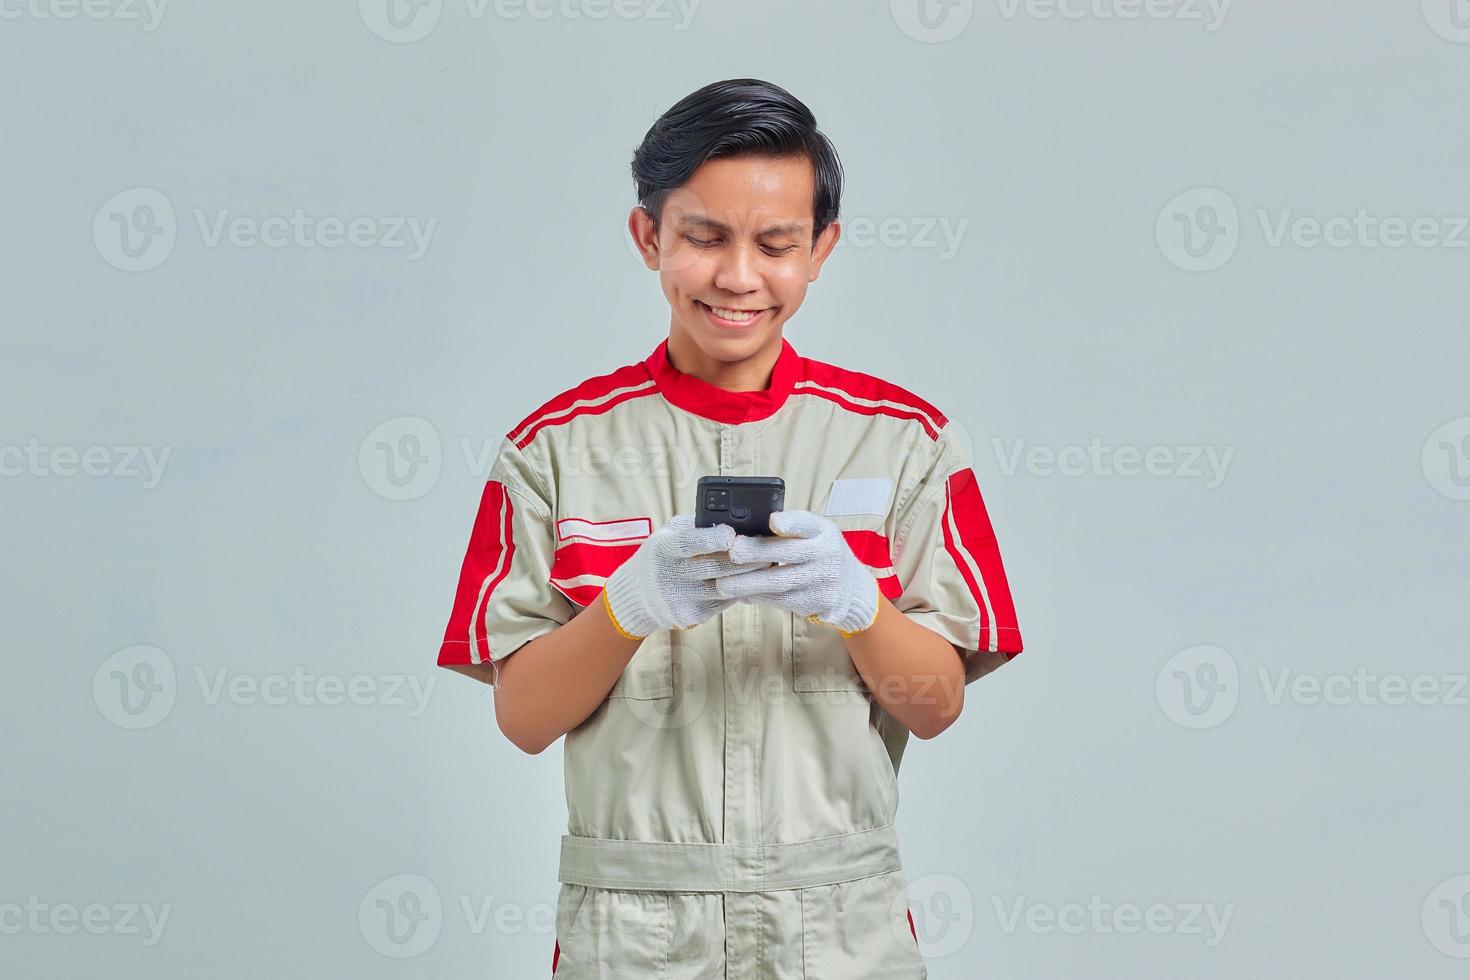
{"x": 731, "y": 803}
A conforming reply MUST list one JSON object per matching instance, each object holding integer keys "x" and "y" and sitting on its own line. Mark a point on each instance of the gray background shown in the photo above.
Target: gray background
{"x": 1094, "y": 765}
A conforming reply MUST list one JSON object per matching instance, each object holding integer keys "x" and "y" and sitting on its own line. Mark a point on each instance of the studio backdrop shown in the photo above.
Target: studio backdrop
{"x": 1188, "y": 275}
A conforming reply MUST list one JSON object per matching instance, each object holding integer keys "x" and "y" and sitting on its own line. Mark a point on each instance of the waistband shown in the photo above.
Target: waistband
{"x": 669, "y": 866}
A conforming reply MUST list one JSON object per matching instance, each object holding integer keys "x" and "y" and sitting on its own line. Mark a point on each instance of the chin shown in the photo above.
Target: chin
{"x": 738, "y": 348}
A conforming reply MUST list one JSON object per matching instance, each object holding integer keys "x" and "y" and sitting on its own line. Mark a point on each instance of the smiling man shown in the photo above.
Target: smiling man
{"x": 735, "y": 707}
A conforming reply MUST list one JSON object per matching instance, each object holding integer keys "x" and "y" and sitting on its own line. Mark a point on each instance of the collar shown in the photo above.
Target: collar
{"x": 696, "y": 395}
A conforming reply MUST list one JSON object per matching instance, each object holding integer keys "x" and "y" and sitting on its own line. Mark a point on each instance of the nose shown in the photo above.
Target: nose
{"x": 737, "y": 272}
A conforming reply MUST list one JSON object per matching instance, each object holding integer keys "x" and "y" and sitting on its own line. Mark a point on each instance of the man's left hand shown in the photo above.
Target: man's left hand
{"x": 817, "y": 575}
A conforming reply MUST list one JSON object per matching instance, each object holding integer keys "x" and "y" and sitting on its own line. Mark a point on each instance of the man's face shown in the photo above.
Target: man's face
{"x": 735, "y": 253}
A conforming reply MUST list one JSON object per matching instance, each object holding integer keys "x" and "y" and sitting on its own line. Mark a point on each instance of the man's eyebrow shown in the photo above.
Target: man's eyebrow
{"x": 793, "y": 228}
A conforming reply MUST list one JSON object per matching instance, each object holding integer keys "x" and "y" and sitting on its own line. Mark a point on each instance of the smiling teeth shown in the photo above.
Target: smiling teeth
{"x": 735, "y": 315}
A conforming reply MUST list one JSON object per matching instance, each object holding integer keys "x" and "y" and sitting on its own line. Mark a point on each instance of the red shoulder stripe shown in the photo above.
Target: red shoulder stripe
{"x": 870, "y": 387}
{"x": 930, "y": 427}
{"x": 594, "y": 390}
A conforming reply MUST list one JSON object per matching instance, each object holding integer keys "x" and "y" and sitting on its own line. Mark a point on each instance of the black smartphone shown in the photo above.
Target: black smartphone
{"x": 744, "y": 502}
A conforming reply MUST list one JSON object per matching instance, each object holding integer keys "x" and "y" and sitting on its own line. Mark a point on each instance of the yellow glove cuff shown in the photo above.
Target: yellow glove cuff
{"x": 608, "y": 606}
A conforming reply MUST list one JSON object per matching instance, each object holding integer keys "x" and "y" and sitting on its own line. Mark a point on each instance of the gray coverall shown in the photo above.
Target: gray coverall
{"x": 731, "y": 803}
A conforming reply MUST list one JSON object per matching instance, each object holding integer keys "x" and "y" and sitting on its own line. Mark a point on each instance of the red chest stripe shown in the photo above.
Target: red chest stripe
{"x": 871, "y": 549}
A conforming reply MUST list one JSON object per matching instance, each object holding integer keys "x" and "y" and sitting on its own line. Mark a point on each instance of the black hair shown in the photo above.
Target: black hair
{"x": 735, "y": 117}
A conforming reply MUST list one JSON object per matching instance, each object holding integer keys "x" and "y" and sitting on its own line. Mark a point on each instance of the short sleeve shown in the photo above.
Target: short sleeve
{"x": 505, "y": 598}
{"x": 948, "y": 561}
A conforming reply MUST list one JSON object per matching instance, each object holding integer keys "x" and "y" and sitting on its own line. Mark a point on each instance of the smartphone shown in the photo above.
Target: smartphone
{"x": 744, "y": 502}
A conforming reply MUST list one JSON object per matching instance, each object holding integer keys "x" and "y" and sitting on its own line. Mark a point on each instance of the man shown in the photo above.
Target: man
{"x": 735, "y": 707}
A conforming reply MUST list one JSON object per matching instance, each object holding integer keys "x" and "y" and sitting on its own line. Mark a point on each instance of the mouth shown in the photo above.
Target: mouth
{"x": 733, "y": 318}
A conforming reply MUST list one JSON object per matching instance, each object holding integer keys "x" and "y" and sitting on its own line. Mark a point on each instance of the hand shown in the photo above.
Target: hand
{"x": 669, "y": 582}
{"x": 819, "y": 577}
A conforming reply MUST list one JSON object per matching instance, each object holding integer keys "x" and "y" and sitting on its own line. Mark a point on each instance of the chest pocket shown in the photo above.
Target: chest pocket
{"x": 818, "y": 654}
{"x": 649, "y": 676}
{"x": 819, "y": 659}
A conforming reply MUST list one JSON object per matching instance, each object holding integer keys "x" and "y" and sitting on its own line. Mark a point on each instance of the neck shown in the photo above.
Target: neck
{"x": 749, "y": 374}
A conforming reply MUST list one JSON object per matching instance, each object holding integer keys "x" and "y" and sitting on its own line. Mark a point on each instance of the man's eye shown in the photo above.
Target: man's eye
{"x": 702, "y": 242}
{"x": 781, "y": 251}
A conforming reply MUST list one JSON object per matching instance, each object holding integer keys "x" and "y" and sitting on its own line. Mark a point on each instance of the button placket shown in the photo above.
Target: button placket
{"x": 743, "y": 722}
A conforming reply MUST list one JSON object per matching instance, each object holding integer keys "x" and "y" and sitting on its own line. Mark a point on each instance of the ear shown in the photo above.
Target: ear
{"x": 826, "y": 241}
{"x": 645, "y": 235}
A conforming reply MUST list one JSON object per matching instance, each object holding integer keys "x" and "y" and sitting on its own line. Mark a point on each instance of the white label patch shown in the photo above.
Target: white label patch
{"x": 865, "y": 496}
{"x": 624, "y": 530}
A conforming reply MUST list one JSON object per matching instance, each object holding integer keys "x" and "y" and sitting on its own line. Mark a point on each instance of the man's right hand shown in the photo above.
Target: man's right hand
{"x": 669, "y": 582}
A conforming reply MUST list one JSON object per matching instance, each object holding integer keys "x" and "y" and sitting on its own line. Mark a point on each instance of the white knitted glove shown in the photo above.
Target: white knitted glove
{"x": 669, "y": 582}
{"x": 819, "y": 576}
